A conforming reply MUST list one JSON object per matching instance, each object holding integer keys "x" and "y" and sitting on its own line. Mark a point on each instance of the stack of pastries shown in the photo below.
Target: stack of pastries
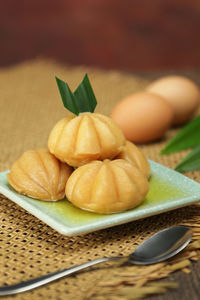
{"x": 89, "y": 160}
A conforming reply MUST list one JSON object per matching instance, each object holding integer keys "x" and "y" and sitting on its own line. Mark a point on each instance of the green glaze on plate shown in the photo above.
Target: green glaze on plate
{"x": 168, "y": 190}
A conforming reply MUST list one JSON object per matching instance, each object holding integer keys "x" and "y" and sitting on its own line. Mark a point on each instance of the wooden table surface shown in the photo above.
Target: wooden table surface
{"x": 189, "y": 286}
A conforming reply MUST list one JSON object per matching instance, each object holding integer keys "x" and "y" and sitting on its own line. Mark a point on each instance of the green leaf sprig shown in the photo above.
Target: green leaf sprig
{"x": 83, "y": 98}
{"x": 187, "y": 137}
{"x": 190, "y": 162}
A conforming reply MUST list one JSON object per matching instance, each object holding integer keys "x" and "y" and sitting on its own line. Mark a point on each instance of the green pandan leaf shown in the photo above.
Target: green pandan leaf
{"x": 67, "y": 96}
{"x": 82, "y": 100}
{"x": 191, "y": 162}
{"x": 187, "y": 137}
{"x": 84, "y": 94}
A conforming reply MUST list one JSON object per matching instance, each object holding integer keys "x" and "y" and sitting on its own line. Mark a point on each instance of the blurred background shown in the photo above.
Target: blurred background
{"x": 132, "y": 35}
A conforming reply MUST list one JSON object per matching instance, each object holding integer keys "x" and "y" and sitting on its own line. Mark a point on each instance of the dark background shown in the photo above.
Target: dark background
{"x": 134, "y": 35}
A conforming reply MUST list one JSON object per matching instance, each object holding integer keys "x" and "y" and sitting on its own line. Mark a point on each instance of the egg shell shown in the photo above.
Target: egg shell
{"x": 143, "y": 117}
{"x": 182, "y": 93}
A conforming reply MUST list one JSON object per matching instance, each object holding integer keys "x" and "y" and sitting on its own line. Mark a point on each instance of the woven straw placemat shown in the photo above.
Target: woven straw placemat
{"x": 29, "y": 107}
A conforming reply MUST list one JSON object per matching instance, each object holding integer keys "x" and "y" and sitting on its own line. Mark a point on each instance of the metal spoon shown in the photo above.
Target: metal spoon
{"x": 157, "y": 248}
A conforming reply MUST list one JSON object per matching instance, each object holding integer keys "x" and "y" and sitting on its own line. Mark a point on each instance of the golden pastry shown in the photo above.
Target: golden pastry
{"x": 107, "y": 186}
{"x": 38, "y": 174}
{"x": 133, "y": 154}
{"x": 89, "y": 136}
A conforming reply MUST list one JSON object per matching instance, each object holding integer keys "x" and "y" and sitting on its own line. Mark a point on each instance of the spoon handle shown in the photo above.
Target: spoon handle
{"x": 36, "y": 282}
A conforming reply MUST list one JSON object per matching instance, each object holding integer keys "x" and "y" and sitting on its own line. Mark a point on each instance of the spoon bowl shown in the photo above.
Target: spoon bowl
{"x": 161, "y": 246}
{"x": 157, "y": 248}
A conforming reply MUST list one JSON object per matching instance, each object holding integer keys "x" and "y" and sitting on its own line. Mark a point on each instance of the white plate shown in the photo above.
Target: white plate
{"x": 168, "y": 190}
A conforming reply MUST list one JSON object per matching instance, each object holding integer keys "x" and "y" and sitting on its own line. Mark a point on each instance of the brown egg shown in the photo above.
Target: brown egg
{"x": 39, "y": 174}
{"x": 182, "y": 93}
{"x": 143, "y": 117}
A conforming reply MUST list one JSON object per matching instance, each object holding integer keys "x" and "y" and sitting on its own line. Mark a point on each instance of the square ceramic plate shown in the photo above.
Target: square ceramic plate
{"x": 168, "y": 190}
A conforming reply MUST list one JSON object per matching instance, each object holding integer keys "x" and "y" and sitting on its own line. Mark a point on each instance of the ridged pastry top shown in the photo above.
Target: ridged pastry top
{"x": 87, "y": 137}
{"x": 38, "y": 174}
{"x": 107, "y": 186}
{"x": 133, "y": 154}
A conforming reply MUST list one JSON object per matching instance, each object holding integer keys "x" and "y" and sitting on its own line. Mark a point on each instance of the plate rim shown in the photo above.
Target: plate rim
{"x": 112, "y": 220}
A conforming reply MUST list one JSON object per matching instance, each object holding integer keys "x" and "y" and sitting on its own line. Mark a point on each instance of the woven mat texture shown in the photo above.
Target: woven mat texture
{"x": 30, "y": 105}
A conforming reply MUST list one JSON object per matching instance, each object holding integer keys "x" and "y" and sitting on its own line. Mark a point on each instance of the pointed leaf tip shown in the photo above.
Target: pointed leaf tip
{"x": 67, "y": 96}
{"x": 190, "y": 162}
{"x": 187, "y": 137}
{"x": 82, "y": 100}
{"x": 85, "y": 97}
